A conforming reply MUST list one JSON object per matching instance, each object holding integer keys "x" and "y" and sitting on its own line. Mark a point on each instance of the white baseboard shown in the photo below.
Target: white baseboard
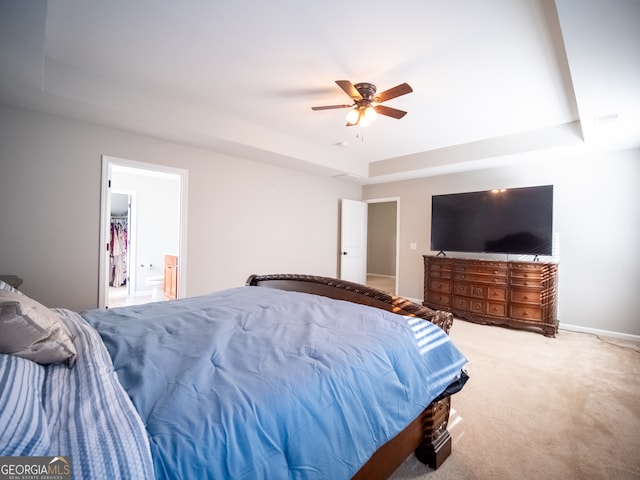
{"x": 602, "y": 333}
{"x": 580, "y": 329}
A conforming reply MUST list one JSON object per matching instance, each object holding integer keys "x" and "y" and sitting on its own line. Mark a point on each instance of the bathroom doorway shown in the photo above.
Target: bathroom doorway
{"x": 156, "y": 197}
{"x": 383, "y": 229}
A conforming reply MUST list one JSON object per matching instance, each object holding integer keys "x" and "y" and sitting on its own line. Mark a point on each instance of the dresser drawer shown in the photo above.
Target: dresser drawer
{"x": 463, "y": 289}
{"x": 526, "y": 282}
{"x": 527, "y": 296}
{"x": 441, "y": 274}
{"x": 171, "y": 260}
{"x": 479, "y": 291}
{"x": 522, "y": 312}
{"x": 461, "y": 303}
{"x": 528, "y": 272}
{"x": 439, "y": 299}
{"x": 480, "y": 278}
{"x": 497, "y": 309}
{"x": 440, "y": 286}
{"x": 436, "y": 266}
{"x": 481, "y": 266}
{"x": 486, "y": 269}
{"x": 497, "y": 293}
{"x": 477, "y": 306}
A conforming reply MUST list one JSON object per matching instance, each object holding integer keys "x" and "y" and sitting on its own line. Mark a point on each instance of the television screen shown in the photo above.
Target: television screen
{"x": 514, "y": 220}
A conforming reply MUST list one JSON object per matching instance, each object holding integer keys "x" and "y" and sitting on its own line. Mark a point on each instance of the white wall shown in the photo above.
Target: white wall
{"x": 597, "y": 217}
{"x": 243, "y": 217}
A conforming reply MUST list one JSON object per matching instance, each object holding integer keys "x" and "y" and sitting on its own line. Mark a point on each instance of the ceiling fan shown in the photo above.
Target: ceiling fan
{"x": 363, "y": 111}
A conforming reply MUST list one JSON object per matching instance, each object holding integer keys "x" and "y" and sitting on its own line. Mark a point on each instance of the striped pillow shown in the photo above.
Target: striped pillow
{"x": 23, "y": 422}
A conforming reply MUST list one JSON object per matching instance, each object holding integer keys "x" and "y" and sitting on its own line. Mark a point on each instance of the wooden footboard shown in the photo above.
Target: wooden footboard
{"x": 427, "y": 435}
{"x": 352, "y": 292}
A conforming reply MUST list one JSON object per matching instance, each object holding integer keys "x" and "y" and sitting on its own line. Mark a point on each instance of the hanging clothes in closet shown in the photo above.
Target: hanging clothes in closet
{"x": 118, "y": 252}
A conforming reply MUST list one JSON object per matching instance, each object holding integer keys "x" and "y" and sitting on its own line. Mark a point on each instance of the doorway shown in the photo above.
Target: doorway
{"x": 120, "y": 257}
{"x": 383, "y": 229}
{"x": 156, "y": 227}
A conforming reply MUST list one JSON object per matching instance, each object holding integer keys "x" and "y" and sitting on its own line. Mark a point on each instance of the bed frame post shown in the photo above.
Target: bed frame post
{"x": 436, "y": 446}
{"x": 436, "y": 452}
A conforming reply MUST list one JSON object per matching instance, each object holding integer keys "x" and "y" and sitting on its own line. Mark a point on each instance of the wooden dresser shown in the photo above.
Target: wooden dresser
{"x": 517, "y": 294}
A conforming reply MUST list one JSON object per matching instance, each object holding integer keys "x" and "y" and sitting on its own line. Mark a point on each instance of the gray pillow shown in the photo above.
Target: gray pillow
{"x": 30, "y": 330}
{"x": 7, "y": 287}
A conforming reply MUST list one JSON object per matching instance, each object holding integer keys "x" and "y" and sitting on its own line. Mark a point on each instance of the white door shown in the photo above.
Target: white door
{"x": 353, "y": 241}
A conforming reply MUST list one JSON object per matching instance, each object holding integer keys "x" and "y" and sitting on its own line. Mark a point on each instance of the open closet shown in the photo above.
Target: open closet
{"x": 119, "y": 240}
{"x": 118, "y": 251}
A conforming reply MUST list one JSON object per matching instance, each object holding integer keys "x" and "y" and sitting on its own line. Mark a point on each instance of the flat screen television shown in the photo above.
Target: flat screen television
{"x": 508, "y": 221}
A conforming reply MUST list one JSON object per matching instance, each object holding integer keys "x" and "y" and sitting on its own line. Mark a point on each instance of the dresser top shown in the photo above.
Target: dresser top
{"x": 486, "y": 261}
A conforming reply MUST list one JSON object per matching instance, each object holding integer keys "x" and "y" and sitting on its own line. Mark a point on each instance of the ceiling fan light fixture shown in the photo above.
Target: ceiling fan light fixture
{"x": 362, "y": 116}
{"x": 370, "y": 114}
{"x": 353, "y": 116}
{"x": 363, "y": 95}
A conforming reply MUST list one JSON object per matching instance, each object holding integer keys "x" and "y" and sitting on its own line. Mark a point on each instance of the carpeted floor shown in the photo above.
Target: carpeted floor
{"x": 541, "y": 408}
{"x": 382, "y": 282}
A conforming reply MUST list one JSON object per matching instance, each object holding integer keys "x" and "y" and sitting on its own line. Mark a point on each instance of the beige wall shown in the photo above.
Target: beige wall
{"x": 243, "y": 217}
{"x": 596, "y": 217}
{"x": 246, "y": 217}
{"x": 381, "y": 238}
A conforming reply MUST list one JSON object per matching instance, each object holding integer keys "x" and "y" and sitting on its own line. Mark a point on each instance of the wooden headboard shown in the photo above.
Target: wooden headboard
{"x": 351, "y": 292}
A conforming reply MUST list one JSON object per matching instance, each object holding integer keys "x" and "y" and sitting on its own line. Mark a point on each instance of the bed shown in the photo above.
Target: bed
{"x": 301, "y": 378}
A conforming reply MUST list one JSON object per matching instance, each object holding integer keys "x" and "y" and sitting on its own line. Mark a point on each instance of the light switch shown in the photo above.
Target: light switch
{"x": 413, "y": 246}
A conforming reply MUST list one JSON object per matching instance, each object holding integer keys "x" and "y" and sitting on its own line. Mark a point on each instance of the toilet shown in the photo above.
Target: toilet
{"x": 156, "y": 283}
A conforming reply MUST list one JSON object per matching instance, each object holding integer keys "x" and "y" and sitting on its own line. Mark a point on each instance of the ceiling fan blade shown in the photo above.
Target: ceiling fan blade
{"x": 394, "y": 92}
{"x": 389, "y": 112}
{"x": 349, "y": 89}
{"x": 329, "y": 107}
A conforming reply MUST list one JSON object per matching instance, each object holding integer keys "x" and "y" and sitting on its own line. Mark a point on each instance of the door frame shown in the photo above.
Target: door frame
{"x": 397, "y": 202}
{"x": 105, "y": 212}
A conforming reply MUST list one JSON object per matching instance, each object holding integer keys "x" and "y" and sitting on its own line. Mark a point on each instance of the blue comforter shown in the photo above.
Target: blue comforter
{"x": 254, "y": 383}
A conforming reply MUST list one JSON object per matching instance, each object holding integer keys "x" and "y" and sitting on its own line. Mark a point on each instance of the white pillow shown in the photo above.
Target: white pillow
{"x": 30, "y": 330}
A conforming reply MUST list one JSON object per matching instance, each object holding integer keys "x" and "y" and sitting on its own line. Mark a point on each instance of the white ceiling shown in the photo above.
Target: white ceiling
{"x": 494, "y": 82}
